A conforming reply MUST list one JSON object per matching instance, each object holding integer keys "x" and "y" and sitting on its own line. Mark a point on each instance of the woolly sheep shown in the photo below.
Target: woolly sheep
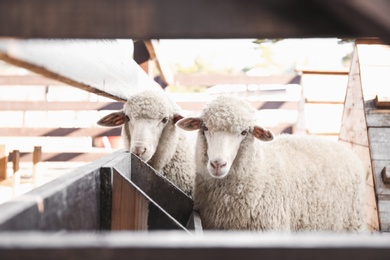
{"x": 149, "y": 131}
{"x": 290, "y": 184}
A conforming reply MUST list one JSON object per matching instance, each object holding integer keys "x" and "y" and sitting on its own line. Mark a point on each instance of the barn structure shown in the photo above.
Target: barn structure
{"x": 112, "y": 193}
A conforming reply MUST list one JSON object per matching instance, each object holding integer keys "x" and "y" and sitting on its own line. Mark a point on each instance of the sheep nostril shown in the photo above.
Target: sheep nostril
{"x": 217, "y": 164}
{"x": 139, "y": 150}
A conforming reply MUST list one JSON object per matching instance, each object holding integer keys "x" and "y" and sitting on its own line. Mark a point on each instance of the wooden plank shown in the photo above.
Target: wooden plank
{"x": 65, "y": 156}
{"x": 379, "y": 143}
{"x": 161, "y": 190}
{"x": 103, "y": 67}
{"x": 384, "y": 212}
{"x": 155, "y": 51}
{"x": 353, "y": 12}
{"x": 386, "y": 174}
{"x": 382, "y": 189}
{"x": 197, "y": 79}
{"x": 376, "y": 117}
{"x": 156, "y": 19}
{"x": 382, "y": 101}
{"x": 178, "y": 246}
{"x": 28, "y": 80}
{"x": 129, "y": 207}
{"x": 3, "y": 163}
{"x": 353, "y": 133}
{"x": 56, "y": 105}
{"x": 70, "y": 202}
{"x": 68, "y": 132}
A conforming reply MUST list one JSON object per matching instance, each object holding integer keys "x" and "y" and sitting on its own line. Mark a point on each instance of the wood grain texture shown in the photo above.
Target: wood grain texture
{"x": 178, "y": 246}
{"x": 103, "y": 67}
{"x": 158, "y": 19}
{"x": 354, "y": 134}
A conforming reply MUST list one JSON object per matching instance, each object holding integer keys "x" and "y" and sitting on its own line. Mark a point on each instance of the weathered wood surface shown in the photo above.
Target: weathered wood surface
{"x": 102, "y": 196}
{"x": 103, "y": 67}
{"x": 3, "y": 162}
{"x": 354, "y": 134}
{"x": 174, "y": 245}
{"x": 156, "y": 19}
{"x": 366, "y": 126}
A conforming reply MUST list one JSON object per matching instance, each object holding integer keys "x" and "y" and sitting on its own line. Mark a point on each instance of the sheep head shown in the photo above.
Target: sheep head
{"x": 144, "y": 117}
{"x": 225, "y": 124}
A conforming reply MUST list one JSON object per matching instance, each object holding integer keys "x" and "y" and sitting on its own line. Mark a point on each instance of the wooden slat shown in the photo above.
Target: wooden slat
{"x": 178, "y": 246}
{"x": 379, "y": 143}
{"x": 28, "y": 80}
{"x": 3, "y": 162}
{"x": 70, "y": 202}
{"x": 353, "y": 133}
{"x": 376, "y": 117}
{"x": 382, "y": 102}
{"x": 161, "y": 191}
{"x": 68, "y": 132}
{"x": 156, "y": 19}
{"x": 57, "y": 105}
{"x": 103, "y": 67}
{"x": 129, "y": 207}
{"x": 195, "y": 79}
{"x": 365, "y": 17}
{"x": 87, "y": 156}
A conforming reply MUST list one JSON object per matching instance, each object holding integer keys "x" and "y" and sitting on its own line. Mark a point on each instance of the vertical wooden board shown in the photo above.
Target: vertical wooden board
{"x": 353, "y": 124}
{"x": 371, "y": 203}
{"x": 129, "y": 207}
{"x": 354, "y": 134}
{"x": 384, "y": 213}
{"x": 379, "y": 143}
{"x": 382, "y": 189}
{"x": 376, "y": 117}
{"x": 3, "y": 163}
{"x": 161, "y": 190}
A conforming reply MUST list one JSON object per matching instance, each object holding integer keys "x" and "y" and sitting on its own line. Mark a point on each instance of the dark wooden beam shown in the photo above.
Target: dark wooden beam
{"x": 179, "y": 246}
{"x": 366, "y": 18}
{"x": 158, "y": 19}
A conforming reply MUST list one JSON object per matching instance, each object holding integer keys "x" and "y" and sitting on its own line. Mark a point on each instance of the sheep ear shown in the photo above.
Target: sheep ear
{"x": 190, "y": 123}
{"x": 263, "y": 134}
{"x": 113, "y": 119}
{"x": 176, "y": 118}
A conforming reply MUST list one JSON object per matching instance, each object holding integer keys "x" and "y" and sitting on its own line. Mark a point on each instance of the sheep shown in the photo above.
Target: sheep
{"x": 285, "y": 183}
{"x": 148, "y": 130}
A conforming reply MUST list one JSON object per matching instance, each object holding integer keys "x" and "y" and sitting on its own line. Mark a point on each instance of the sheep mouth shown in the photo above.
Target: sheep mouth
{"x": 218, "y": 174}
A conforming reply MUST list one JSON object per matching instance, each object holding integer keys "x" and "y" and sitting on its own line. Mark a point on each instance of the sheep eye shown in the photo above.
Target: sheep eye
{"x": 205, "y": 128}
{"x": 127, "y": 118}
{"x": 164, "y": 120}
{"x": 245, "y": 132}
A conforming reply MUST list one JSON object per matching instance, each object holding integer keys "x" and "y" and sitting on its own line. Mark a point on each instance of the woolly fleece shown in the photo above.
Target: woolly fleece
{"x": 292, "y": 183}
{"x": 174, "y": 156}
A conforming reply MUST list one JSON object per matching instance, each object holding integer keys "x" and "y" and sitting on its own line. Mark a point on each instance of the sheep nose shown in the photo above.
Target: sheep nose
{"x": 138, "y": 150}
{"x": 217, "y": 165}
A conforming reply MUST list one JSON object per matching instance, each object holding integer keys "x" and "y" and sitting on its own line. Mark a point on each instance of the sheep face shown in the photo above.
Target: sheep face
{"x": 144, "y": 117}
{"x": 223, "y": 146}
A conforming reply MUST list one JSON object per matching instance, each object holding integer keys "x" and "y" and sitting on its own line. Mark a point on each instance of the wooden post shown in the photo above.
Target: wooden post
{"x": 129, "y": 207}
{"x": 3, "y": 163}
{"x": 16, "y": 173}
{"x": 37, "y": 158}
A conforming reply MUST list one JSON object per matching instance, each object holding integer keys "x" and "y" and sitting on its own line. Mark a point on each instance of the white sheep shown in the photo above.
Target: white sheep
{"x": 149, "y": 131}
{"x": 292, "y": 183}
